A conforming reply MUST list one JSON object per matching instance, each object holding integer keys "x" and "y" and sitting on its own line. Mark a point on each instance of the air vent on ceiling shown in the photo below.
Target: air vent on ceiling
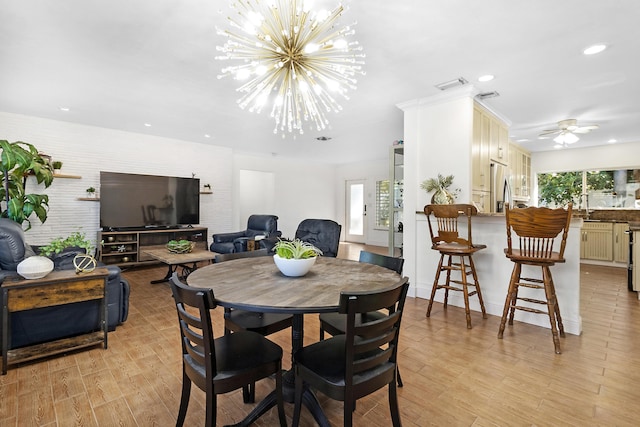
{"x": 323, "y": 138}
{"x": 460, "y": 81}
{"x": 486, "y": 95}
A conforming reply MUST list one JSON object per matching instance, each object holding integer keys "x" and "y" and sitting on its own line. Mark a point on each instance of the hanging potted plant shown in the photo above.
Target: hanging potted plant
{"x": 440, "y": 187}
{"x": 18, "y": 161}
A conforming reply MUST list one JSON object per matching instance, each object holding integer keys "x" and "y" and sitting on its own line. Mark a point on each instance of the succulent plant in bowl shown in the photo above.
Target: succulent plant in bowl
{"x": 294, "y": 258}
{"x": 296, "y": 249}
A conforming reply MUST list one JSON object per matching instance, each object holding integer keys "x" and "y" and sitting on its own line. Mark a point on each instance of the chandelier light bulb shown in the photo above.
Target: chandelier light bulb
{"x": 290, "y": 57}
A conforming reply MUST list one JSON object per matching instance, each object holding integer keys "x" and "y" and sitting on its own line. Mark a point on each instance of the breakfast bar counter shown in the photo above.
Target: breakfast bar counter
{"x": 494, "y": 270}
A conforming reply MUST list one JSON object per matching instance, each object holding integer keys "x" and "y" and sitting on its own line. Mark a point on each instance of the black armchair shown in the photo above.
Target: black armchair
{"x": 324, "y": 234}
{"x": 257, "y": 225}
{"x": 61, "y": 321}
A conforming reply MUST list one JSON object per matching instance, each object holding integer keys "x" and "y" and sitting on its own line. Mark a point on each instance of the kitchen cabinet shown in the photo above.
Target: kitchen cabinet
{"x": 490, "y": 142}
{"x": 596, "y": 241}
{"x": 520, "y": 167}
{"x": 481, "y": 200}
{"x": 499, "y": 142}
{"x": 620, "y": 242}
{"x": 480, "y": 165}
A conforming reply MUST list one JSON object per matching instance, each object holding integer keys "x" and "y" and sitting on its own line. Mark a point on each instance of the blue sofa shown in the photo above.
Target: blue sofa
{"x": 52, "y": 323}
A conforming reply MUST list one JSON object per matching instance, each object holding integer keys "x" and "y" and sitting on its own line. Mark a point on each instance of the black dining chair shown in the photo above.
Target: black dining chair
{"x": 336, "y": 323}
{"x": 219, "y": 365}
{"x": 350, "y": 366}
{"x": 324, "y": 234}
{"x": 236, "y": 320}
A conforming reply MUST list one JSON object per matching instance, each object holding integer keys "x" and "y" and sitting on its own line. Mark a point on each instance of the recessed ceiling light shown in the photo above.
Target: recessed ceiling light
{"x": 64, "y": 108}
{"x": 612, "y": 141}
{"x": 206, "y": 135}
{"x": 485, "y": 78}
{"x": 148, "y": 125}
{"x": 522, "y": 140}
{"x": 596, "y": 48}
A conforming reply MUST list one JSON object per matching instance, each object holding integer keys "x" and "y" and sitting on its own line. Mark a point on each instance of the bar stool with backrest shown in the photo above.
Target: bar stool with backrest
{"x": 446, "y": 240}
{"x": 536, "y": 230}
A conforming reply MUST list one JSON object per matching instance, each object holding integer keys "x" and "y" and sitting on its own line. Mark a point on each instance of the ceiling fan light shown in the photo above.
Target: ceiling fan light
{"x": 566, "y": 138}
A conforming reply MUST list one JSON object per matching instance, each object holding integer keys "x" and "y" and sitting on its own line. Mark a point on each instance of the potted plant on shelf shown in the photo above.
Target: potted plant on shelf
{"x": 57, "y": 165}
{"x": 91, "y": 192}
{"x": 18, "y": 161}
{"x": 440, "y": 186}
{"x": 295, "y": 258}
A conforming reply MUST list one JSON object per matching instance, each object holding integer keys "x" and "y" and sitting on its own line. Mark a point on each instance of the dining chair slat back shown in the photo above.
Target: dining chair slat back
{"x": 336, "y": 323}
{"x": 237, "y": 320}
{"x": 220, "y": 365}
{"x": 350, "y": 366}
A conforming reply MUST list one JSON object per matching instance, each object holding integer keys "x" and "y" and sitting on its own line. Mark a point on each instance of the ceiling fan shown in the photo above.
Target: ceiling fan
{"x": 567, "y": 130}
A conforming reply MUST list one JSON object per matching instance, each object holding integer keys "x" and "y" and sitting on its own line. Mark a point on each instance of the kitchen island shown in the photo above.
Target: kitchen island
{"x": 494, "y": 270}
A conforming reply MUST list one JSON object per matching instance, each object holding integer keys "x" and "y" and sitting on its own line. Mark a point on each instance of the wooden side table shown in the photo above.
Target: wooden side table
{"x": 57, "y": 288}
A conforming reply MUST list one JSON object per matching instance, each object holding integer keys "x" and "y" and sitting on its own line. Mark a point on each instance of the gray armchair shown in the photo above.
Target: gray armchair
{"x": 257, "y": 225}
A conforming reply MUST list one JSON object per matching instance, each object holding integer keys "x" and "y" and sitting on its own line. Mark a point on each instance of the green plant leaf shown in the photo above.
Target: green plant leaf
{"x": 296, "y": 249}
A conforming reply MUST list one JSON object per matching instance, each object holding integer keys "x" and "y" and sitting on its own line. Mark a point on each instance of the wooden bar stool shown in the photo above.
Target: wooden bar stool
{"x": 446, "y": 240}
{"x": 536, "y": 230}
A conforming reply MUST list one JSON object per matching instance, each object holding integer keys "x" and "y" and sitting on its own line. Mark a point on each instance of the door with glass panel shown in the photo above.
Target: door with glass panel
{"x": 356, "y": 211}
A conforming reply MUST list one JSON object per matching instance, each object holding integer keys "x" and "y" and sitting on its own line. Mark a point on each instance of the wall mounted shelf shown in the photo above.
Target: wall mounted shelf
{"x": 64, "y": 175}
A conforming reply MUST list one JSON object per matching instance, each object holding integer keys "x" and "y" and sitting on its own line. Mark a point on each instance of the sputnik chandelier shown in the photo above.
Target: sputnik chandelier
{"x": 292, "y": 58}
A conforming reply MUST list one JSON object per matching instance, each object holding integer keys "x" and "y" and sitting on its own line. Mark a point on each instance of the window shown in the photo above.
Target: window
{"x": 590, "y": 189}
{"x": 383, "y": 200}
{"x": 559, "y": 188}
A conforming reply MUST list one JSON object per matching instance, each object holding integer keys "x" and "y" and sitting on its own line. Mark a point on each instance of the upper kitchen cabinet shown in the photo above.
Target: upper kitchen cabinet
{"x": 520, "y": 167}
{"x": 498, "y": 142}
{"x": 490, "y": 144}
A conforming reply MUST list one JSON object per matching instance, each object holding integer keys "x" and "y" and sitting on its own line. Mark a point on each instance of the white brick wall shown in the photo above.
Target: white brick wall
{"x": 86, "y": 150}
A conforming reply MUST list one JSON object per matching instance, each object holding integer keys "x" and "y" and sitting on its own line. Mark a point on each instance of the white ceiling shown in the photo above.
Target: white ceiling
{"x": 123, "y": 63}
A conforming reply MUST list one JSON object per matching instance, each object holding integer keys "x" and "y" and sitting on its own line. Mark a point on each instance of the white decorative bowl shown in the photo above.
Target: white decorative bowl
{"x": 35, "y": 267}
{"x": 294, "y": 267}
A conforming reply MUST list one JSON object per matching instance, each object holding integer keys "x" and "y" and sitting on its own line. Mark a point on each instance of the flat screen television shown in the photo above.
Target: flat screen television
{"x": 132, "y": 201}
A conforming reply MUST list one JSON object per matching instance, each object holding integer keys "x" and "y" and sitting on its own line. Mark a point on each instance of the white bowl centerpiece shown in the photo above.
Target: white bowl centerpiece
{"x": 294, "y": 258}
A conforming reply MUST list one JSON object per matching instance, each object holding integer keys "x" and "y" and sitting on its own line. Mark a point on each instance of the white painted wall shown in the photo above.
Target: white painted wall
{"x": 302, "y": 190}
{"x": 613, "y": 156}
{"x": 86, "y": 150}
{"x": 437, "y": 139}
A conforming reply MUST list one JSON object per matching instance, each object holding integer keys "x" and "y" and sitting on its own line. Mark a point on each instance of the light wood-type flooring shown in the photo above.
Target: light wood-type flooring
{"x": 452, "y": 376}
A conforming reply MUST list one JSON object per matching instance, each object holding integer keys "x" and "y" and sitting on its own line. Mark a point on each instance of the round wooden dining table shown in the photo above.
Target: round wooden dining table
{"x": 256, "y": 284}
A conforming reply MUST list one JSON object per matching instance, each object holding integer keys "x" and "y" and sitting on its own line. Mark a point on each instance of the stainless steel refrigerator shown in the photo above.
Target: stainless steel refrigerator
{"x": 500, "y": 187}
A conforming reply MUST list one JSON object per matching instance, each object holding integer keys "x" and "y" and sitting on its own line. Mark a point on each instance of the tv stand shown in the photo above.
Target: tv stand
{"x": 125, "y": 248}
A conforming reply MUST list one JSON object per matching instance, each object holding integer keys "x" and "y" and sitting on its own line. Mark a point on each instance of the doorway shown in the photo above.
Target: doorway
{"x": 356, "y": 211}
